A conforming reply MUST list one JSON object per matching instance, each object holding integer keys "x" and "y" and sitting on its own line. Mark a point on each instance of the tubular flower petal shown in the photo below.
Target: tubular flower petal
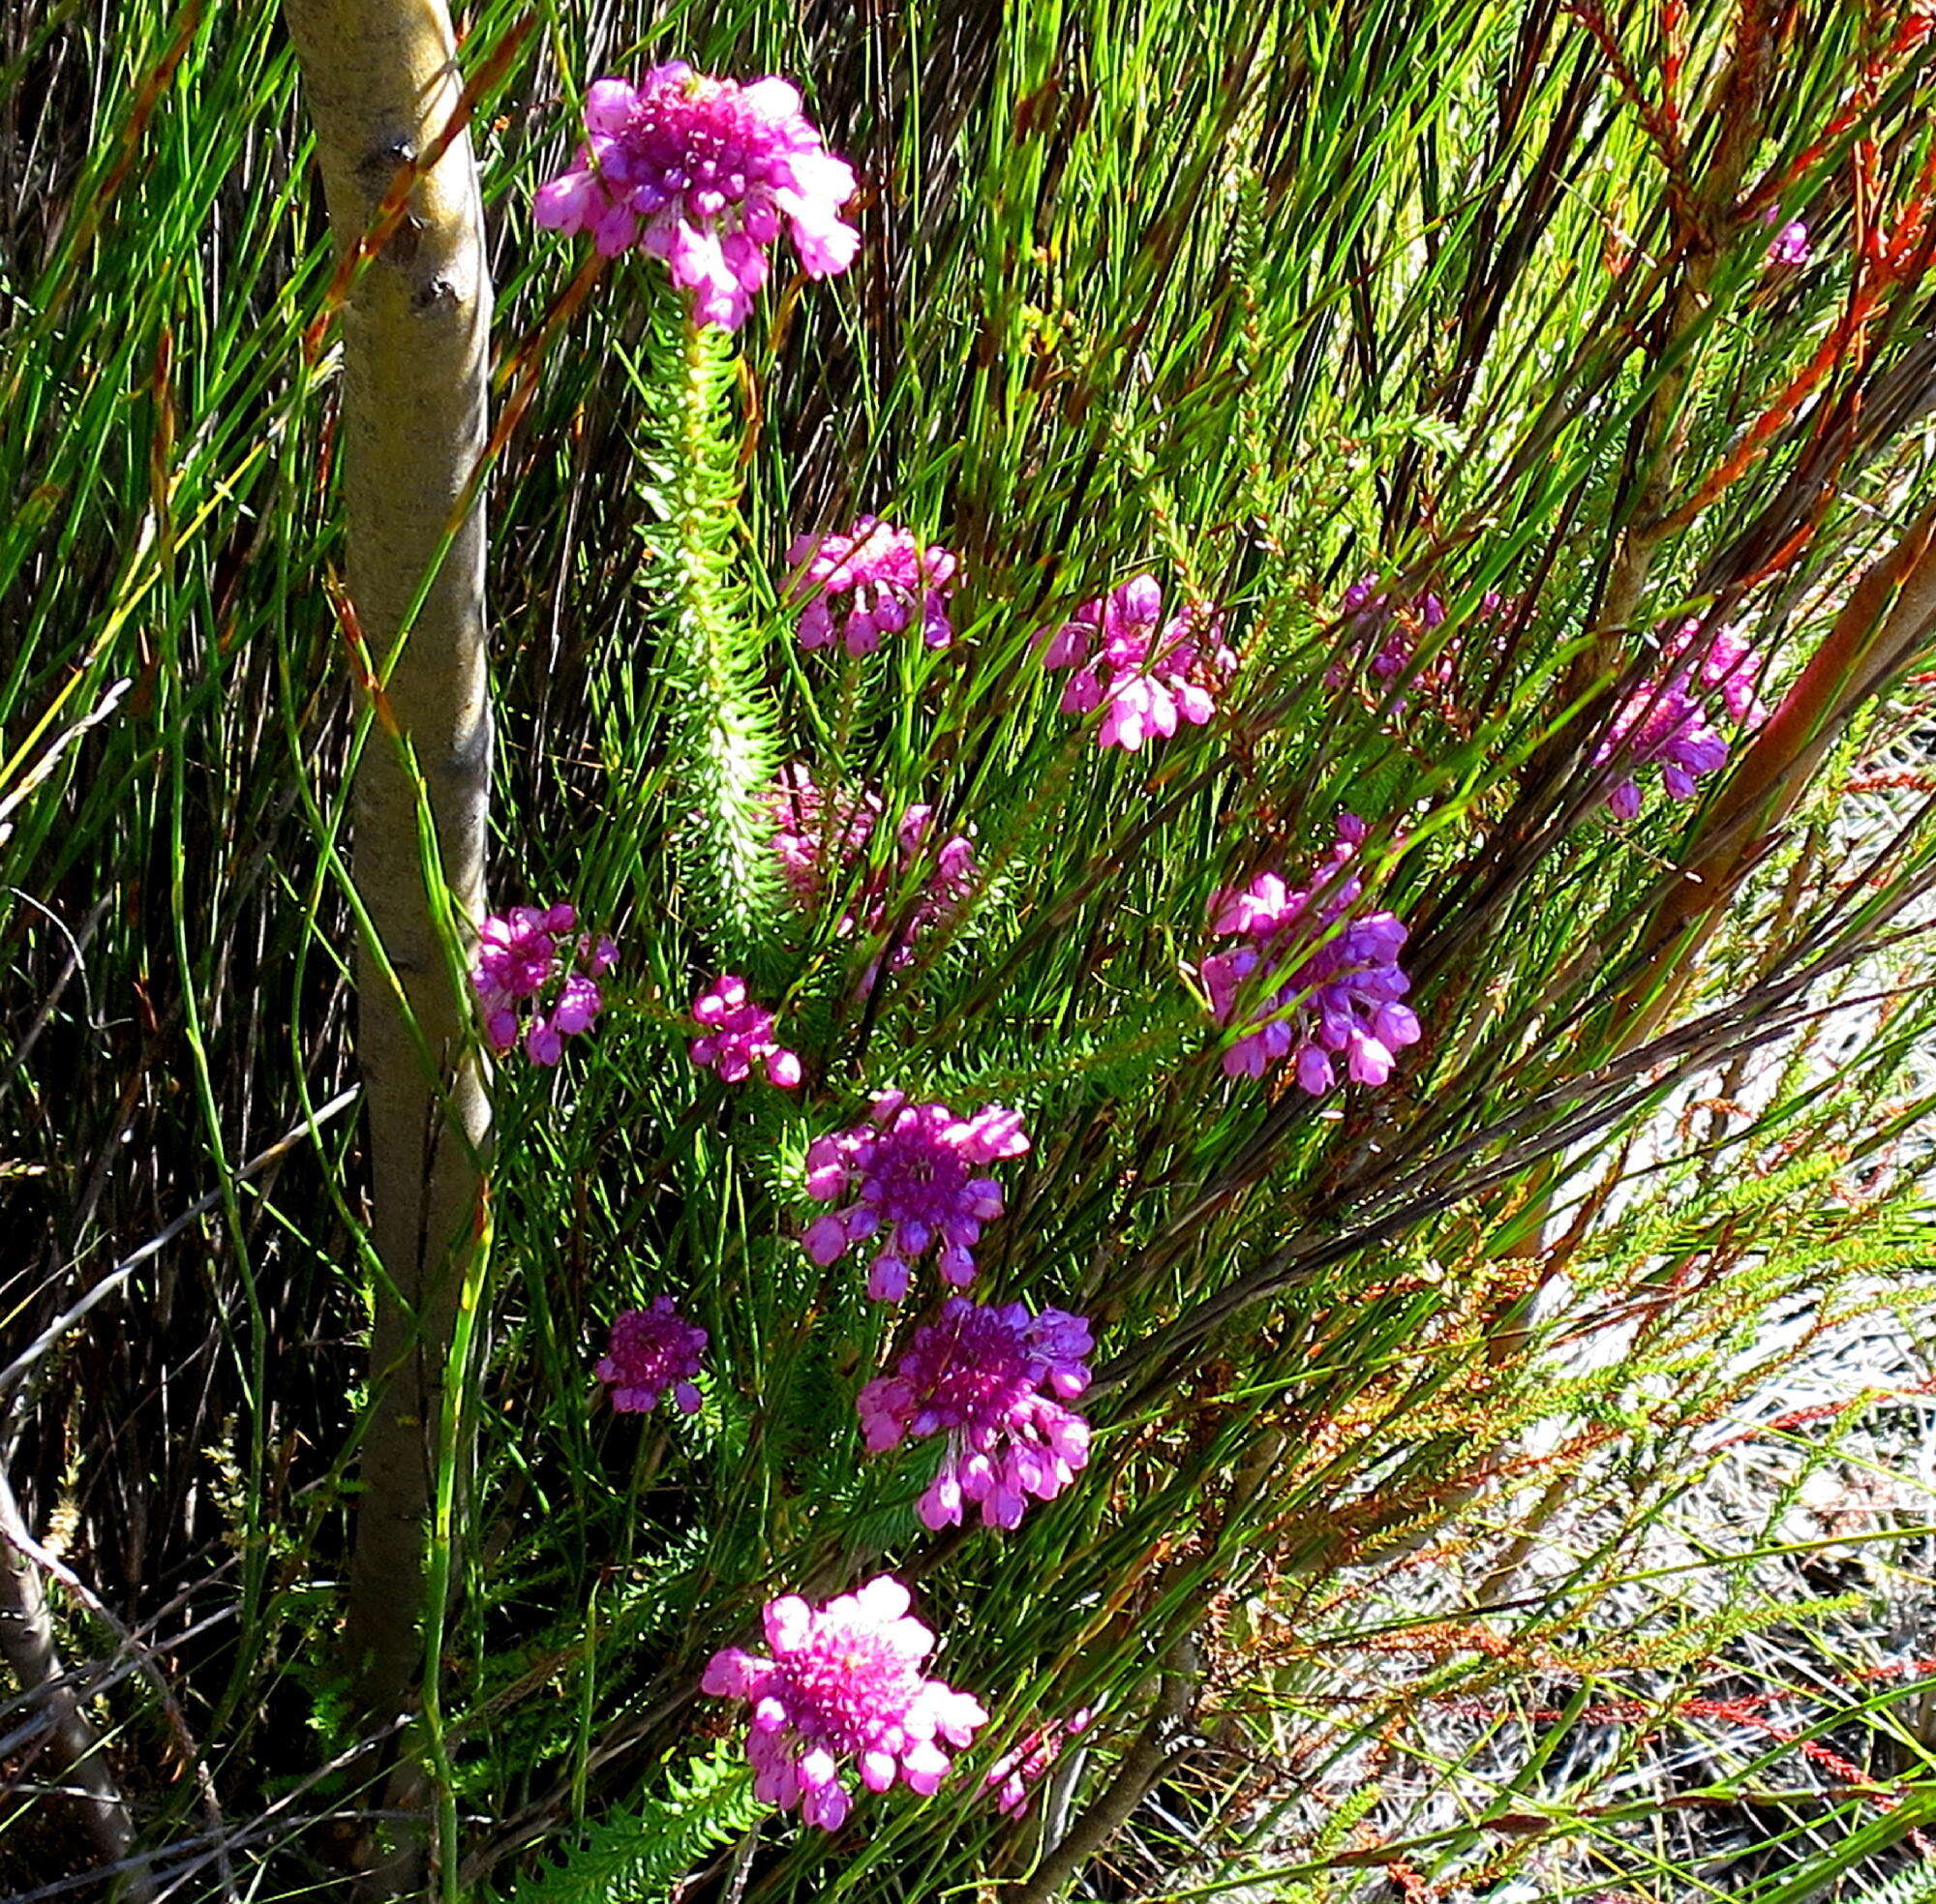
{"x": 907, "y": 1182}
{"x": 1384, "y": 634}
{"x": 1664, "y": 723}
{"x": 1383, "y": 638}
{"x": 892, "y": 583}
{"x": 519, "y": 953}
{"x": 843, "y": 1684}
{"x": 1317, "y": 981}
{"x": 704, "y": 173}
{"x": 993, "y": 1382}
{"x": 652, "y": 1349}
{"x": 1144, "y": 673}
{"x": 737, "y": 1034}
{"x": 1032, "y": 1754}
{"x": 819, "y": 838}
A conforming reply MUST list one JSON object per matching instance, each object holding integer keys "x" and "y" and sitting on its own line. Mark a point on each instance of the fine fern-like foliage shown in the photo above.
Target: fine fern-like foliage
{"x": 635, "y": 1855}
{"x": 720, "y": 724}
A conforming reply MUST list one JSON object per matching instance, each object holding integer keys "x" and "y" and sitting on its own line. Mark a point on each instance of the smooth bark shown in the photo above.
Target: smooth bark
{"x": 385, "y": 93}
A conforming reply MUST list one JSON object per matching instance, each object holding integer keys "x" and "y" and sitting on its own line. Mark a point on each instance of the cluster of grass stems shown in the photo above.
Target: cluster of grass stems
{"x": 1397, "y": 1389}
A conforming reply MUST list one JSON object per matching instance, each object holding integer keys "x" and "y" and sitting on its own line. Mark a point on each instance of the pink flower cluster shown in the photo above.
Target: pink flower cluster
{"x": 843, "y": 1684}
{"x": 993, "y": 1380}
{"x": 1791, "y": 245}
{"x": 652, "y": 1349}
{"x": 891, "y": 578}
{"x": 1315, "y": 978}
{"x": 518, "y": 956}
{"x": 818, "y": 838}
{"x": 1664, "y": 721}
{"x": 738, "y": 1035}
{"x": 1035, "y": 1752}
{"x": 1144, "y": 673}
{"x": 1387, "y": 634}
{"x": 705, "y": 174}
{"x": 910, "y": 1180}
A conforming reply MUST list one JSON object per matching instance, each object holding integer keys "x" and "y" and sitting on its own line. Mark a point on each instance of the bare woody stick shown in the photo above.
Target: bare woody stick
{"x": 387, "y": 100}
{"x": 1888, "y": 620}
{"x": 27, "y": 1644}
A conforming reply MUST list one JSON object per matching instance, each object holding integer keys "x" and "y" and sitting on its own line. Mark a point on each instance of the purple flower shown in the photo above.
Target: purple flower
{"x": 817, "y": 835}
{"x": 1034, "y": 1753}
{"x": 1144, "y": 673}
{"x": 818, "y": 838}
{"x": 977, "y": 1375}
{"x": 1315, "y": 978}
{"x": 518, "y": 956}
{"x": 845, "y": 1682}
{"x": 1791, "y": 245}
{"x": 738, "y": 1033}
{"x": 704, "y": 173}
{"x": 652, "y": 1349}
{"x": 1385, "y": 636}
{"x": 891, "y": 577}
{"x": 1663, "y": 722}
{"x": 907, "y": 1181}
{"x": 1384, "y": 639}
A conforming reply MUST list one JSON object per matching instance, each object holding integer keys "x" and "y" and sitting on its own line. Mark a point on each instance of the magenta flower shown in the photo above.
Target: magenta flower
{"x": 738, "y": 1035}
{"x": 1385, "y": 636}
{"x": 578, "y": 1004}
{"x": 891, "y": 577}
{"x": 1144, "y": 673}
{"x": 816, "y": 836}
{"x": 1315, "y": 978}
{"x": 978, "y": 1376}
{"x": 845, "y": 1682}
{"x": 518, "y": 956}
{"x": 1017, "y": 1771}
{"x": 705, "y": 174}
{"x": 1663, "y": 722}
{"x": 652, "y": 1349}
{"x": 907, "y": 1181}
{"x": 818, "y": 839}
{"x": 1791, "y": 245}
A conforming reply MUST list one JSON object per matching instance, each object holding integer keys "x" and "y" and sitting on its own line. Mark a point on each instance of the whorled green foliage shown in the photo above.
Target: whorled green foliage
{"x": 720, "y": 728}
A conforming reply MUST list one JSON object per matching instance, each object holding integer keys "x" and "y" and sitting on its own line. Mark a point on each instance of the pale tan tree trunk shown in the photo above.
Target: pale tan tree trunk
{"x": 384, "y": 89}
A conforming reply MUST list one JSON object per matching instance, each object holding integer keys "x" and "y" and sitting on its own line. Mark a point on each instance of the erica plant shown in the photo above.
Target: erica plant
{"x": 1216, "y": 720}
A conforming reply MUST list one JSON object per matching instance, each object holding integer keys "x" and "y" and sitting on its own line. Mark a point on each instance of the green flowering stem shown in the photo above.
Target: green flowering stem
{"x": 722, "y": 720}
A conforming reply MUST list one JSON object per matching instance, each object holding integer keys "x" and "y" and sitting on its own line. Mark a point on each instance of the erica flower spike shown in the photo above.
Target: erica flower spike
{"x": 705, "y": 174}
{"x": 652, "y": 1349}
{"x": 519, "y": 953}
{"x": 843, "y": 1682}
{"x": 1315, "y": 975}
{"x": 993, "y": 1380}
{"x": 906, "y": 1180}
